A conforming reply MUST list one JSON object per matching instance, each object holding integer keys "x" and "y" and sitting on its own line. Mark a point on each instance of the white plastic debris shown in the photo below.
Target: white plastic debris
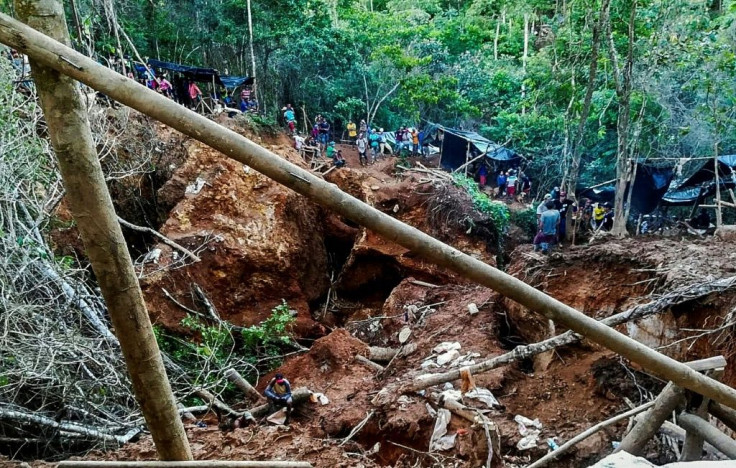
{"x": 454, "y": 395}
{"x": 446, "y": 346}
{"x": 320, "y": 398}
{"x": 472, "y": 309}
{"x": 448, "y": 386}
{"x": 440, "y": 440}
{"x": 428, "y": 364}
{"x": 529, "y": 430}
{"x": 153, "y": 256}
{"x": 484, "y": 396}
{"x": 432, "y": 412}
{"x": 195, "y": 187}
{"x": 278, "y": 418}
{"x": 448, "y": 357}
{"x": 404, "y": 334}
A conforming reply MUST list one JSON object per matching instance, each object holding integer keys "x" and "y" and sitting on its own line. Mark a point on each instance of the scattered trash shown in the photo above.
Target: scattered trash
{"x": 552, "y": 444}
{"x": 616, "y": 444}
{"x": 484, "y": 396}
{"x": 396, "y": 208}
{"x": 153, "y": 256}
{"x": 432, "y": 412}
{"x": 472, "y": 309}
{"x": 446, "y": 346}
{"x": 404, "y": 335}
{"x": 448, "y": 386}
{"x": 320, "y": 398}
{"x": 529, "y": 436}
{"x": 454, "y": 395}
{"x": 440, "y": 441}
{"x": 201, "y": 424}
{"x": 461, "y": 432}
{"x": 429, "y": 363}
{"x": 374, "y": 450}
{"x": 448, "y": 357}
{"x": 195, "y": 187}
{"x": 278, "y": 418}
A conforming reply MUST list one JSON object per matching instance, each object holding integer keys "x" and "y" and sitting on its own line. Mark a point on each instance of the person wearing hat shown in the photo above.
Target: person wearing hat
{"x": 278, "y": 392}
{"x": 607, "y": 221}
{"x": 549, "y": 222}
{"x": 543, "y": 206}
{"x": 331, "y": 150}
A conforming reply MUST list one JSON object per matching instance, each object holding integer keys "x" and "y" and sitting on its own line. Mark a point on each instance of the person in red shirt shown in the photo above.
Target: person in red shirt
{"x": 195, "y": 94}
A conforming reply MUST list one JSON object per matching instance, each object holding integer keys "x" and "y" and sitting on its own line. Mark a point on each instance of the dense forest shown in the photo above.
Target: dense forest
{"x": 571, "y": 85}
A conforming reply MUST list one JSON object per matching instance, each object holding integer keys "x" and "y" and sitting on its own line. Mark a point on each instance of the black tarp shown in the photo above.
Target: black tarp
{"x": 650, "y": 185}
{"x": 200, "y": 74}
{"x": 701, "y": 183}
{"x": 454, "y": 145}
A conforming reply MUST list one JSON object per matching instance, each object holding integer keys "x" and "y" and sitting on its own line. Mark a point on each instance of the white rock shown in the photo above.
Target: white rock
{"x": 447, "y": 357}
{"x": 446, "y": 346}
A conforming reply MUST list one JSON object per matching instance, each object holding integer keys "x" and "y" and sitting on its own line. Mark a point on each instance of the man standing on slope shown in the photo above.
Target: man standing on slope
{"x": 548, "y": 224}
{"x": 290, "y": 118}
{"x": 362, "y": 144}
{"x": 352, "y": 132}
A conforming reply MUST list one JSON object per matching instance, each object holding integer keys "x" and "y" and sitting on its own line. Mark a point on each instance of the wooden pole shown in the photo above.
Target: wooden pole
{"x": 187, "y": 464}
{"x": 564, "y": 448}
{"x": 92, "y": 207}
{"x": 692, "y": 448}
{"x": 66, "y": 60}
{"x": 716, "y": 438}
{"x": 719, "y": 213}
{"x": 726, "y": 415}
{"x": 667, "y": 401}
{"x": 252, "y": 54}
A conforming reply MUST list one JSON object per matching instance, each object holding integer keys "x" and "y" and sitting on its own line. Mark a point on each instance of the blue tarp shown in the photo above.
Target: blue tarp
{"x": 455, "y": 144}
{"x": 688, "y": 191}
{"x": 232, "y": 82}
{"x": 650, "y": 185}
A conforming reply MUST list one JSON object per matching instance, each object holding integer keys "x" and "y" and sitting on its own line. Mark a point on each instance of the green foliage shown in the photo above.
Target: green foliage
{"x": 526, "y": 220}
{"x": 497, "y": 211}
{"x": 270, "y": 336}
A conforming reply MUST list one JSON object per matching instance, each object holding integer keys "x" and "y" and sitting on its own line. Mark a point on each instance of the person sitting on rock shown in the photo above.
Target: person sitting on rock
{"x": 278, "y": 392}
{"x": 339, "y": 160}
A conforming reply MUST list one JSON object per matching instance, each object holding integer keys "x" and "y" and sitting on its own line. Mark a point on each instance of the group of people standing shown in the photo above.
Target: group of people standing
{"x": 557, "y": 208}
{"x": 510, "y": 183}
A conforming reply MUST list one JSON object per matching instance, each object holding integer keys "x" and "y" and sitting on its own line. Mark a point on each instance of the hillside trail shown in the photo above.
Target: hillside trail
{"x": 351, "y": 290}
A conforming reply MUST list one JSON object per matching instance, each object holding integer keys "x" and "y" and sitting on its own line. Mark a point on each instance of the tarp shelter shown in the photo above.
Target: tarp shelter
{"x": 460, "y": 146}
{"x": 206, "y": 75}
{"x": 701, "y": 182}
{"x": 650, "y": 185}
{"x": 232, "y": 82}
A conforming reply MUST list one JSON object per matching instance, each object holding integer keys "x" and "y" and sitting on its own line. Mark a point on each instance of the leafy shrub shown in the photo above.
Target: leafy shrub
{"x": 526, "y": 220}
{"x": 497, "y": 211}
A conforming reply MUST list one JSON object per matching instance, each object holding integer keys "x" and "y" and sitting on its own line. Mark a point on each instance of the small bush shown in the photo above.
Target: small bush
{"x": 497, "y": 211}
{"x": 526, "y": 220}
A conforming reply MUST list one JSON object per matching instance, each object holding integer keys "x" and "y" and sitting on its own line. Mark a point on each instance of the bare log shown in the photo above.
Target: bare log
{"x": 188, "y": 464}
{"x": 678, "y": 296}
{"x": 92, "y": 208}
{"x": 363, "y": 360}
{"x": 245, "y": 386}
{"x": 163, "y": 238}
{"x": 564, "y": 448}
{"x": 676, "y": 432}
{"x": 668, "y": 400}
{"x": 724, "y": 414}
{"x": 52, "y": 54}
{"x": 377, "y": 353}
{"x": 211, "y": 400}
{"x": 716, "y": 438}
{"x": 692, "y": 449}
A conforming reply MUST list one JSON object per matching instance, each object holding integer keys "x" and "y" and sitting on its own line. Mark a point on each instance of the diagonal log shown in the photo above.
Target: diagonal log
{"x": 698, "y": 425}
{"x": 53, "y": 54}
{"x": 676, "y": 297}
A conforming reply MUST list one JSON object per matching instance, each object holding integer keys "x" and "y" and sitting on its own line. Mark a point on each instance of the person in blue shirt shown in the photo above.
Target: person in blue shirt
{"x": 278, "y": 392}
{"x": 549, "y": 223}
{"x": 501, "y": 183}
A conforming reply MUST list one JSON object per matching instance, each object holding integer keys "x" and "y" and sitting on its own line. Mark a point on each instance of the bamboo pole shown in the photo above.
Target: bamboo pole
{"x": 667, "y": 401}
{"x": 67, "y": 61}
{"x": 91, "y": 205}
{"x": 724, "y": 414}
{"x": 716, "y": 438}
{"x": 692, "y": 448}
{"x": 187, "y": 464}
{"x": 244, "y": 386}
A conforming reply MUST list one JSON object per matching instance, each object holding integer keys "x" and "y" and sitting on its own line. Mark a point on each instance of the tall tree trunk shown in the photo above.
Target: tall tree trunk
{"x": 623, "y": 79}
{"x": 523, "y": 62}
{"x": 93, "y": 211}
{"x": 575, "y": 150}
{"x": 252, "y": 54}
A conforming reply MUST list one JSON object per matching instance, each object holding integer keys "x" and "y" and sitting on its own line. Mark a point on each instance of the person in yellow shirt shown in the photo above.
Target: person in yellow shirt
{"x": 599, "y": 212}
{"x": 352, "y": 131}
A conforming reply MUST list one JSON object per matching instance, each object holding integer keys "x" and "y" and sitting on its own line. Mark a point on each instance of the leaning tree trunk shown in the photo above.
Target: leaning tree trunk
{"x": 93, "y": 211}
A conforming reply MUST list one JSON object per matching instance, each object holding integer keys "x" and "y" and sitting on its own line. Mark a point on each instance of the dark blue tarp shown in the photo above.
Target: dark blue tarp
{"x": 193, "y": 73}
{"x": 650, "y": 185}
{"x": 688, "y": 190}
{"x": 454, "y": 145}
{"x": 232, "y": 82}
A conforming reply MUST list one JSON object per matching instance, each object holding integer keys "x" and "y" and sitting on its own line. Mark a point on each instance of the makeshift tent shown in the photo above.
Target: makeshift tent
{"x": 650, "y": 185}
{"x": 701, "y": 182}
{"x": 232, "y": 82}
{"x": 206, "y": 75}
{"x": 459, "y": 146}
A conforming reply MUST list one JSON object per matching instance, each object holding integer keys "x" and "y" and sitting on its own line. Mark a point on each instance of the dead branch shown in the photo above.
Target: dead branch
{"x": 163, "y": 238}
{"x": 357, "y": 428}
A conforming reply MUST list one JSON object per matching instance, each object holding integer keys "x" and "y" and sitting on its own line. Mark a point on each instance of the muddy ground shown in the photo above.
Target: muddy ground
{"x": 261, "y": 243}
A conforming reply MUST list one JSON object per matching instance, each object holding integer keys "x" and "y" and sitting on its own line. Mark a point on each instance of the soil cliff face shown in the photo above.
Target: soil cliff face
{"x": 259, "y": 243}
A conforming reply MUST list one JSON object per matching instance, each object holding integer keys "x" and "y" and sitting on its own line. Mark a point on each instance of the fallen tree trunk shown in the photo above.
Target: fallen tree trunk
{"x": 724, "y": 414}
{"x": 678, "y": 296}
{"x": 377, "y": 353}
{"x": 244, "y": 386}
{"x": 716, "y": 438}
{"x": 210, "y": 399}
{"x": 69, "y": 62}
{"x": 676, "y": 432}
{"x": 364, "y": 360}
